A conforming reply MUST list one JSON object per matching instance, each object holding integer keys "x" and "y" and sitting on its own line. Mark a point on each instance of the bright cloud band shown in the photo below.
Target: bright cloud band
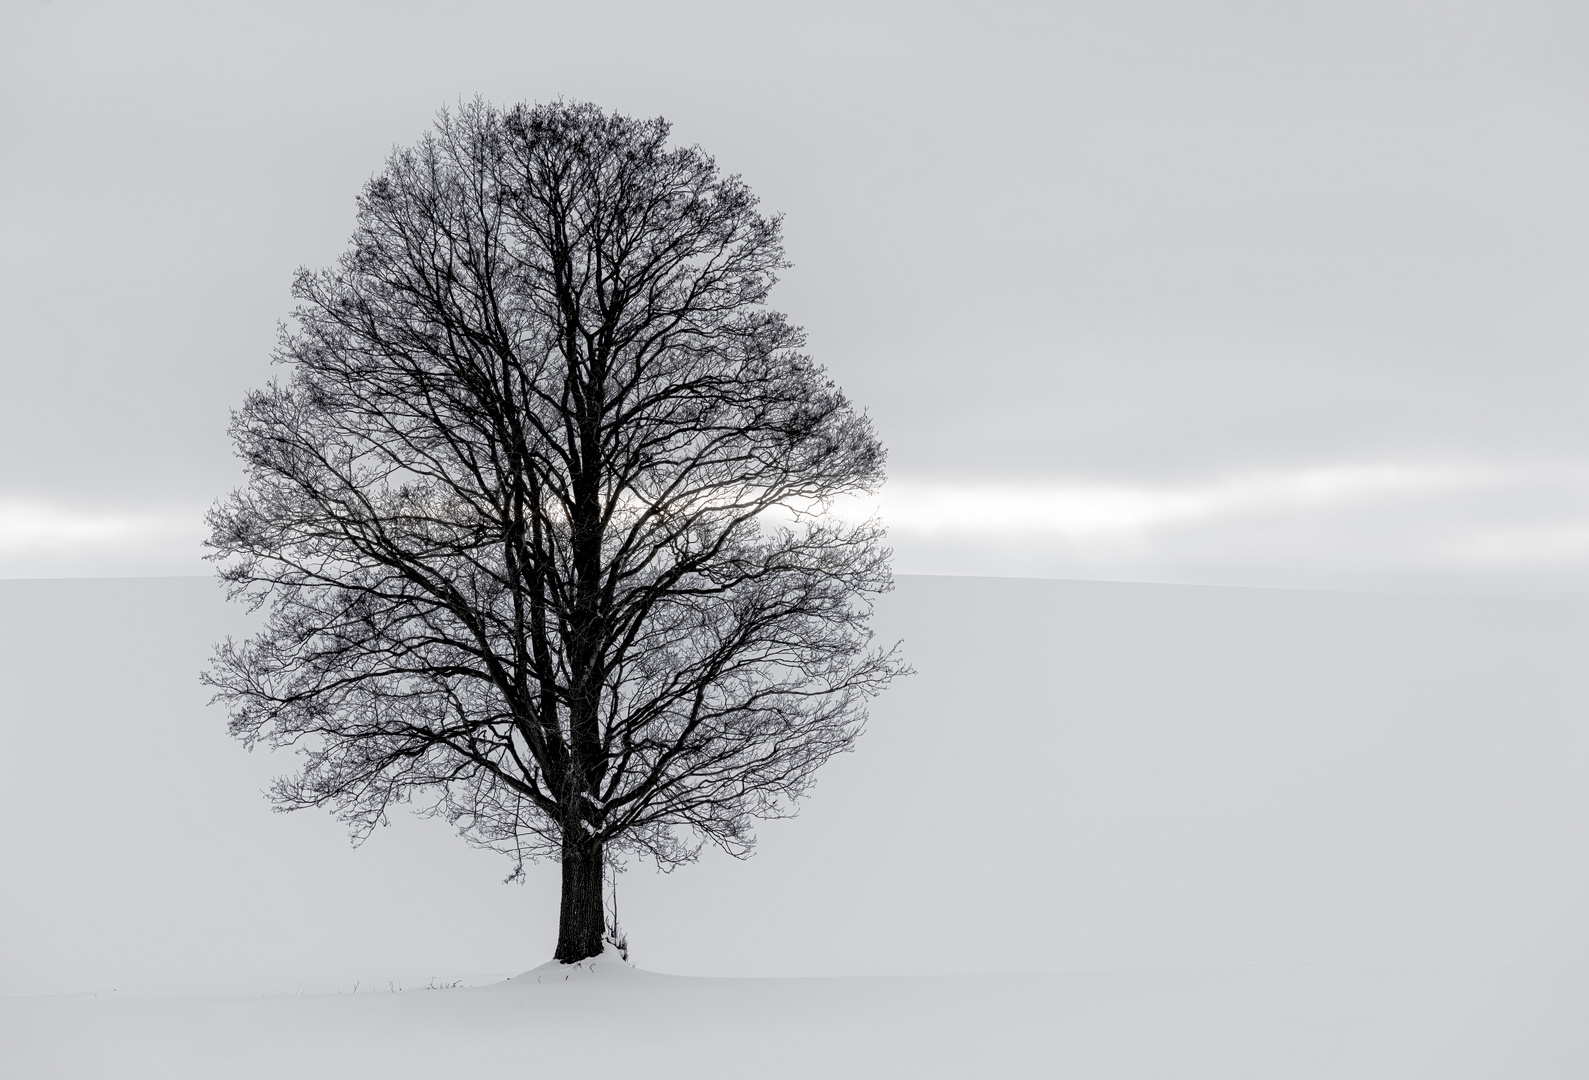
{"x": 1277, "y": 527}
{"x": 1093, "y": 509}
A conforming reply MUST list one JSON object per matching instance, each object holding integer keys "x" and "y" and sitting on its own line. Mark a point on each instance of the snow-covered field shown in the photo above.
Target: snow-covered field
{"x": 1303, "y": 1022}
{"x": 1107, "y": 830}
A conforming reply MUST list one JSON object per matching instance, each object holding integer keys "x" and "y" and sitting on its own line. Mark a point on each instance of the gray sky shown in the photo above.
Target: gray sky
{"x": 1234, "y": 293}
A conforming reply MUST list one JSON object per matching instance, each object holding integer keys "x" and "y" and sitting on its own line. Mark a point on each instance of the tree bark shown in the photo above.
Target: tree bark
{"x": 581, "y": 922}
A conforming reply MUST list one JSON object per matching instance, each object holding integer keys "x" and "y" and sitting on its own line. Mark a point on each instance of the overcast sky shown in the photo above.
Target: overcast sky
{"x": 1274, "y": 294}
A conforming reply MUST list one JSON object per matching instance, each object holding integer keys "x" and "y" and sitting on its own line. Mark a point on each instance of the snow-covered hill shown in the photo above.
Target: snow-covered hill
{"x": 1197, "y": 823}
{"x": 1296, "y": 1023}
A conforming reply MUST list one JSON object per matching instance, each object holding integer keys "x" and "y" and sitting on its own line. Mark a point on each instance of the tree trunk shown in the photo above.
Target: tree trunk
{"x": 582, "y": 922}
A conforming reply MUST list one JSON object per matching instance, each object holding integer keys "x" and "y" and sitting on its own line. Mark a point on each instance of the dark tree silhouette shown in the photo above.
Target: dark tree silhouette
{"x": 516, "y": 510}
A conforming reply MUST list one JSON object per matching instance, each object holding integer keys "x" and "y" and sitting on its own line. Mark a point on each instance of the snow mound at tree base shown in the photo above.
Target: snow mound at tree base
{"x": 609, "y": 964}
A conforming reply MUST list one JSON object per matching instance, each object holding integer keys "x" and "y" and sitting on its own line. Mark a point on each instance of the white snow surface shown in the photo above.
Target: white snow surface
{"x": 607, "y": 1019}
{"x": 1243, "y": 833}
{"x": 608, "y": 965}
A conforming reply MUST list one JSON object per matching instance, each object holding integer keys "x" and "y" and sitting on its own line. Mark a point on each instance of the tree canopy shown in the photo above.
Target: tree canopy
{"x": 543, "y": 512}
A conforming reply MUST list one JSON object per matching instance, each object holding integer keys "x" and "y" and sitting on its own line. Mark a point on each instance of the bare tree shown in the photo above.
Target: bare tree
{"x": 543, "y": 514}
